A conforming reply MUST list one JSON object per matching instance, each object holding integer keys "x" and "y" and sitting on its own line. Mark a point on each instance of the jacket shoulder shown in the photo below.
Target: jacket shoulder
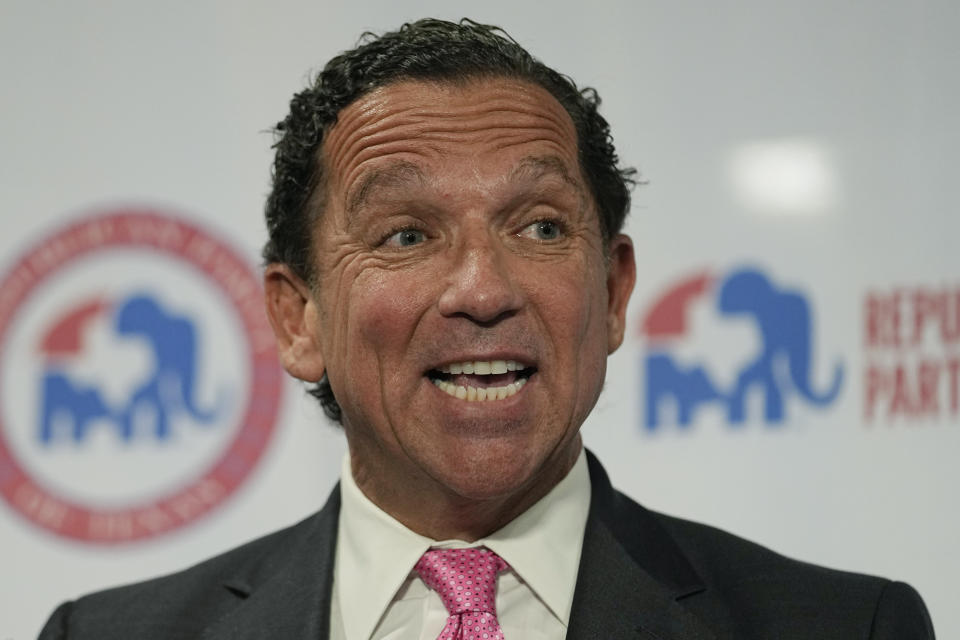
{"x": 772, "y": 593}
{"x": 180, "y": 604}
{"x": 726, "y": 559}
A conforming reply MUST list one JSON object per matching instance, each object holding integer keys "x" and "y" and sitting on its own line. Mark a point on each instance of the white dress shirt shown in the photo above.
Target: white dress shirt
{"x": 378, "y": 596}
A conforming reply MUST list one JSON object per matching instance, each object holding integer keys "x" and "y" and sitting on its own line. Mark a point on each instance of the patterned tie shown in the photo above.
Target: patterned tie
{"x": 466, "y": 580}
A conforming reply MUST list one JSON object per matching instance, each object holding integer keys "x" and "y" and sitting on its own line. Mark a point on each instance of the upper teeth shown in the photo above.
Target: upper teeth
{"x": 482, "y": 367}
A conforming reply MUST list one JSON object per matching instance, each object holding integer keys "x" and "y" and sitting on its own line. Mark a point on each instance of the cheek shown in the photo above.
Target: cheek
{"x": 574, "y": 312}
{"x": 574, "y": 301}
{"x": 385, "y": 309}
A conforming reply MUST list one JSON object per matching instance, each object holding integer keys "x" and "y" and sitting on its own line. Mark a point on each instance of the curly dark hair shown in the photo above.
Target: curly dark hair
{"x": 427, "y": 49}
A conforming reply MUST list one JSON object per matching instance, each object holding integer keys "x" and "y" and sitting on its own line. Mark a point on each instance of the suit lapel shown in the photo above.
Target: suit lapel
{"x": 286, "y": 592}
{"x": 632, "y": 574}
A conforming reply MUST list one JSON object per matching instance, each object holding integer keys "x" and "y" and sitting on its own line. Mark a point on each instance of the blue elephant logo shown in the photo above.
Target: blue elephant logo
{"x": 689, "y": 387}
{"x": 783, "y": 321}
{"x": 71, "y": 407}
{"x": 70, "y": 404}
{"x": 171, "y": 387}
{"x": 783, "y": 318}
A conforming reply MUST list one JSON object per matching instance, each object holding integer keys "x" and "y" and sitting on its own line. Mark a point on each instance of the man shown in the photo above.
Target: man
{"x": 445, "y": 262}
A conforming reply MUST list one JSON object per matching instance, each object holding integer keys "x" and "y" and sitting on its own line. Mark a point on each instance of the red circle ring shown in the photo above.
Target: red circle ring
{"x": 151, "y": 230}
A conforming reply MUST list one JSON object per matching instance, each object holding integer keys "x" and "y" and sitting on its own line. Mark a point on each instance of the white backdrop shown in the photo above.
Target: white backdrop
{"x": 815, "y": 142}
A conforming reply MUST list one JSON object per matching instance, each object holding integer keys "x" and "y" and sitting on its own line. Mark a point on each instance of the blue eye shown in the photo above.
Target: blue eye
{"x": 543, "y": 230}
{"x": 406, "y": 238}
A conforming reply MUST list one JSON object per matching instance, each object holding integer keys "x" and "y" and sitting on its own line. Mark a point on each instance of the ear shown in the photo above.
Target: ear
{"x": 621, "y": 276}
{"x": 294, "y": 317}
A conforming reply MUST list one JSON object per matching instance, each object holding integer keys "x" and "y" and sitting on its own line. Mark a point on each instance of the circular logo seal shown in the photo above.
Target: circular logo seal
{"x": 139, "y": 383}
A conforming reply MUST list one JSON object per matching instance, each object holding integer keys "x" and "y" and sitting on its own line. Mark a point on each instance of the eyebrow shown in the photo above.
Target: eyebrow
{"x": 534, "y": 168}
{"x": 399, "y": 173}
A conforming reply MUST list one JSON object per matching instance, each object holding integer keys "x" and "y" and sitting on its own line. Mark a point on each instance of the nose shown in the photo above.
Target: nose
{"x": 480, "y": 284}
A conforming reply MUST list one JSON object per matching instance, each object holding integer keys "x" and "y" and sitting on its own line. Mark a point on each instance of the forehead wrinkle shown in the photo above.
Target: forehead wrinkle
{"x": 377, "y": 136}
{"x": 402, "y": 120}
{"x": 388, "y": 107}
{"x": 413, "y": 142}
{"x": 384, "y": 106}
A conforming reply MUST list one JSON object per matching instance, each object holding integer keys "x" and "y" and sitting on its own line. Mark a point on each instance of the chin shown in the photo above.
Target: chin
{"x": 491, "y": 471}
{"x": 485, "y": 486}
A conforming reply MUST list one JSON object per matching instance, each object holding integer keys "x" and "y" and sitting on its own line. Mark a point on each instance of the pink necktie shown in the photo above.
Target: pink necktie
{"x": 466, "y": 580}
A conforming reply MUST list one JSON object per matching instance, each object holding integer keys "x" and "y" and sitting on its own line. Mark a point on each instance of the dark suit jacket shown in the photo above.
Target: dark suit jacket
{"x": 642, "y": 575}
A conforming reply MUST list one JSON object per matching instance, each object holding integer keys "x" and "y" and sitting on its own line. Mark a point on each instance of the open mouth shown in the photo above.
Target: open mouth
{"x": 481, "y": 381}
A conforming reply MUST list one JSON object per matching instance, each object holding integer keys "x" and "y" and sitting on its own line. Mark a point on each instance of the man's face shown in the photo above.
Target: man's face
{"x": 459, "y": 257}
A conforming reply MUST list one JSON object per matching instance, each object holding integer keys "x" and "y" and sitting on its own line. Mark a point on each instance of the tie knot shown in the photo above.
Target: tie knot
{"x": 465, "y": 579}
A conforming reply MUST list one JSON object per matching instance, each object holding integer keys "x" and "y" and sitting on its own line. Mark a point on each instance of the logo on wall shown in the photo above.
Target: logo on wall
{"x": 138, "y": 379}
{"x": 737, "y": 344}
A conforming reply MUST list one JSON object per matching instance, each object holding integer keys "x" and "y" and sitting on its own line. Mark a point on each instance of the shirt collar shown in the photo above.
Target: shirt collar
{"x": 542, "y": 546}
{"x": 543, "y": 543}
{"x": 375, "y": 553}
